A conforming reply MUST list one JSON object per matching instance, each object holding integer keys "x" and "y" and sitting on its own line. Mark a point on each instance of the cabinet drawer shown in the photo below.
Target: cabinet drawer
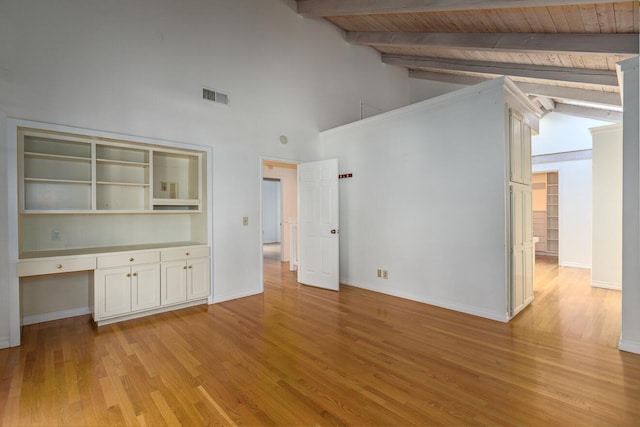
{"x": 124, "y": 259}
{"x": 185, "y": 253}
{"x": 55, "y": 265}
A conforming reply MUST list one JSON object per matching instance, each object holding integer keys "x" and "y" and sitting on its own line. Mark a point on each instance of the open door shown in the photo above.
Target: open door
{"x": 318, "y": 224}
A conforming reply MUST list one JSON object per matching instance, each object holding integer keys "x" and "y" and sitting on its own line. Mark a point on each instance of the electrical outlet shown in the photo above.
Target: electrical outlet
{"x": 245, "y": 220}
{"x": 379, "y": 273}
{"x": 385, "y": 274}
{"x": 55, "y": 235}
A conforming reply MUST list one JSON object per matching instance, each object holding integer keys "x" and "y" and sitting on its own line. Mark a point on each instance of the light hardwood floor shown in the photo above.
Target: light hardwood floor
{"x": 303, "y": 356}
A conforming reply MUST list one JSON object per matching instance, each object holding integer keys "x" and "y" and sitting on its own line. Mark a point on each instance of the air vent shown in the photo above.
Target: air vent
{"x": 215, "y": 96}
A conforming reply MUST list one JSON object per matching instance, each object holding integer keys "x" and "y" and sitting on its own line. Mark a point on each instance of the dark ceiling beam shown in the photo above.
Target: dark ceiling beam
{"x": 323, "y": 8}
{"x": 548, "y": 91}
{"x": 577, "y": 44}
{"x": 544, "y": 72}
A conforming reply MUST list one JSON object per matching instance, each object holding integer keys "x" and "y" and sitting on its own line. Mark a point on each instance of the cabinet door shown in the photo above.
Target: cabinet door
{"x": 145, "y": 287}
{"x": 112, "y": 293}
{"x": 173, "y": 282}
{"x": 519, "y": 149}
{"x": 522, "y": 250}
{"x": 515, "y": 147}
{"x": 198, "y": 278}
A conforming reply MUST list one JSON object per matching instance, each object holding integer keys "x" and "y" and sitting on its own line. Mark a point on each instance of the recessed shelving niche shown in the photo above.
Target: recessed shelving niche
{"x": 69, "y": 173}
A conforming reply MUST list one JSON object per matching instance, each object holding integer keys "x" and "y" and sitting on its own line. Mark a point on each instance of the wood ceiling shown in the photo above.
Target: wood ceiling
{"x": 562, "y": 53}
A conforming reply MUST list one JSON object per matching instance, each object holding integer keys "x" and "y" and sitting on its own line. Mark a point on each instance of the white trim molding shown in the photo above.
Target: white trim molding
{"x": 56, "y": 315}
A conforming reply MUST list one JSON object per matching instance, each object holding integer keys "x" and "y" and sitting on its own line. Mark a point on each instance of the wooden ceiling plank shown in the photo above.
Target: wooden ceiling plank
{"x": 322, "y": 8}
{"x": 624, "y": 17}
{"x": 548, "y": 26}
{"x": 576, "y": 25}
{"x": 533, "y": 21}
{"x": 497, "y": 20}
{"x": 515, "y": 20}
{"x": 606, "y": 18}
{"x": 577, "y": 75}
{"x": 636, "y": 17}
{"x": 577, "y": 44}
{"x": 559, "y": 19}
{"x": 589, "y": 18}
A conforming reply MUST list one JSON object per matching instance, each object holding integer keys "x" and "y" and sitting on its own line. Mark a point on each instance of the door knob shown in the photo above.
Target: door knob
{"x": 334, "y": 231}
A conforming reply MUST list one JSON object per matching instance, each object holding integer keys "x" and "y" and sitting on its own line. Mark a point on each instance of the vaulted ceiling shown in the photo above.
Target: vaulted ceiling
{"x": 563, "y": 54}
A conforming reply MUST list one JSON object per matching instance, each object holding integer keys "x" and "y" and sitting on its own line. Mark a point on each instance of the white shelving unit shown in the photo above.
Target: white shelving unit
{"x": 553, "y": 207}
{"x": 65, "y": 173}
{"x": 85, "y": 201}
{"x": 122, "y": 178}
{"x": 55, "y": 174}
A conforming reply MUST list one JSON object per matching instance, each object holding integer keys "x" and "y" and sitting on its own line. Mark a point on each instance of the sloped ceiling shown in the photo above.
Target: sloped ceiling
{"x": 562, "y": 53}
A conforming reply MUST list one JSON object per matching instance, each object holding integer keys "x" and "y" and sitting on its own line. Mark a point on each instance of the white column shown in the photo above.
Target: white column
{"x": 630, "y": 334}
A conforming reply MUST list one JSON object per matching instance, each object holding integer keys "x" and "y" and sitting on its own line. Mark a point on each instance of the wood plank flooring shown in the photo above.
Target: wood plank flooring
{"x": 298, "y": 355}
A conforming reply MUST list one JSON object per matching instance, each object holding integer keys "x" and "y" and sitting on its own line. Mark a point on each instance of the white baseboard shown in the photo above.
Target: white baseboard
{"x": 5, "y": 342}
{"x": 605, "y": 285}
{"x": 630, "y": 346}
{"x": 462, "y": 308}
{"x": 56, "y": 315}
{"x": 235, "y": 296}
{"x": 574, "y": 264}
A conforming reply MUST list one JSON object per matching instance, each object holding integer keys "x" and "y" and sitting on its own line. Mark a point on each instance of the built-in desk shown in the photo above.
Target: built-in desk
{"x": 133, "y": 280}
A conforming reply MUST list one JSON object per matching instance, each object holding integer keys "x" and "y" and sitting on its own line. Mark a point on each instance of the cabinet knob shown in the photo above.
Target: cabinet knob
{"x": 131, "y": 259}
{"x": 59, "y": 266}
{"x": 128, "y": 274}
{"x": 190, "y": 266}
{"x": 187, "y": 254}
{"x": 185, "y": 267}
{"x": 135, "y": 274}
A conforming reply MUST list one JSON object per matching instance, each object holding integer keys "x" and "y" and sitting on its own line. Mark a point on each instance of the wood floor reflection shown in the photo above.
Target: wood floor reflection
{"x": 298, "y": 355}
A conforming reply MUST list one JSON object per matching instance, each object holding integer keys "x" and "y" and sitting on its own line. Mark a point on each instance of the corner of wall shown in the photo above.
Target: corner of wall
{"x": 4, "y": 235}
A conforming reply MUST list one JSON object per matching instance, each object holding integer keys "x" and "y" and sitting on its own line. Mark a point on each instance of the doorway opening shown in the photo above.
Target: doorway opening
{"x": 279, "y": 212}
{"x": 546, "y": 210}
{"x": 272, "y": 218}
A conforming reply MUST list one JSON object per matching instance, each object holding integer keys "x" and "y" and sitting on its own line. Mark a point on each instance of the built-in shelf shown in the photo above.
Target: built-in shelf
{"x": 116, "y": 175}
{"x": 553, "y": 202}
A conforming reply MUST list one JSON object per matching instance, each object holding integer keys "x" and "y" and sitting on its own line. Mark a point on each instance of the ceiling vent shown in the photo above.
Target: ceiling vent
{"x": 215, "y": 96}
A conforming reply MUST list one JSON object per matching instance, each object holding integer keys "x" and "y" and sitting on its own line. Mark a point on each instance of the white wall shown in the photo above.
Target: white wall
{"x": 427, "y": 201}
{"x": 563, "y": 133}
{"x": 630, "y": 334}
{"x": 422, "y": 90}
{"x": 138, "y": 68}
{"x": 606, "y": 271}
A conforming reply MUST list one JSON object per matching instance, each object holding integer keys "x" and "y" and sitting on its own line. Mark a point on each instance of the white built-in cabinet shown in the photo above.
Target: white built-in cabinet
{"x": 185, "y": 274}
{"x": 126, "y": 283}
{"x": 105, "y": 182}
{"x": 521, "y": 214}
{"x": 129, "y": 283}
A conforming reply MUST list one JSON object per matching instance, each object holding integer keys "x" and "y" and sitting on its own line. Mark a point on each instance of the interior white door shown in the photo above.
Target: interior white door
{"x": 318, "y": 224}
